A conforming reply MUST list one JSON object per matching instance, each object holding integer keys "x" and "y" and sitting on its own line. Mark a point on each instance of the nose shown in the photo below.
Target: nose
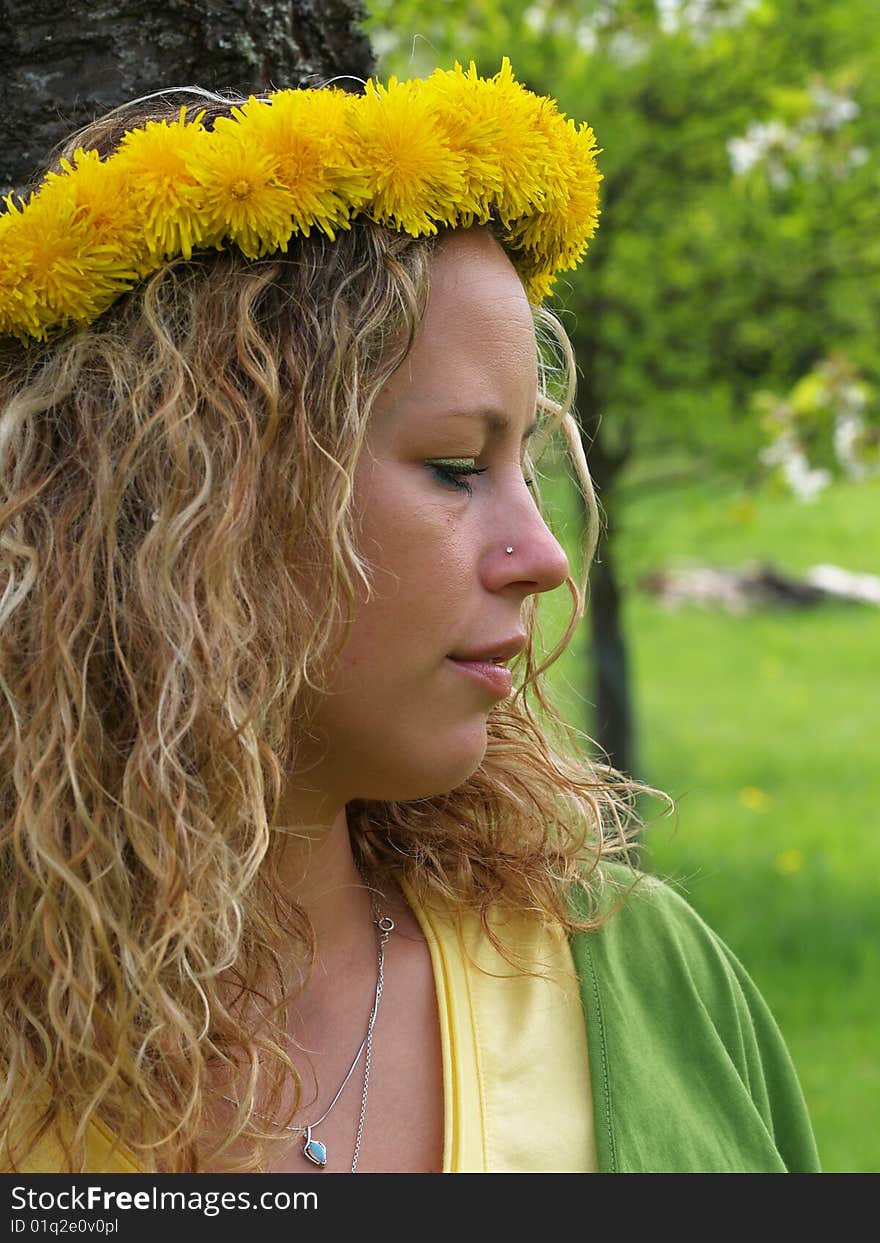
{"x": 538, "y": 560}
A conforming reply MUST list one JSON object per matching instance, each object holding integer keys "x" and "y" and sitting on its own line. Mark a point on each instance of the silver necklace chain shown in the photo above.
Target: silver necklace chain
{"x": 314, "y": 1150}
{"x": 385, "y": 925}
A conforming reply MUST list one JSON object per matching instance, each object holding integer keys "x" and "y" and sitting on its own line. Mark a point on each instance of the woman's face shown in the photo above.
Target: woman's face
{"x": 402, "y": 720}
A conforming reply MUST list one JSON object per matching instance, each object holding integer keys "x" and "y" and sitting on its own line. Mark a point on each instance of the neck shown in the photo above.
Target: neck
{"x": 315, "y": 868}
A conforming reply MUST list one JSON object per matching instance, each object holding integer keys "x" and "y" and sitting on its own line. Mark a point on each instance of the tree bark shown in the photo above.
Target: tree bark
{"x": 63, "y": 63}
{"x": 612, "y": 693}
{"x": 613, "y": 727}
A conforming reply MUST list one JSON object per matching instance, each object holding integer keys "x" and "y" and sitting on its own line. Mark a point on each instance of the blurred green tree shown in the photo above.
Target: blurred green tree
{"x": 739, "y": 235}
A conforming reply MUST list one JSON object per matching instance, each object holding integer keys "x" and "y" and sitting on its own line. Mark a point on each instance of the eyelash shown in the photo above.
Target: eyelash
{"x": 452, "y": 475}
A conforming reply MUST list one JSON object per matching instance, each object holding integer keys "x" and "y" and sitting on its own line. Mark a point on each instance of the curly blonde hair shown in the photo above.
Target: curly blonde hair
{"x": 167, "y": 474}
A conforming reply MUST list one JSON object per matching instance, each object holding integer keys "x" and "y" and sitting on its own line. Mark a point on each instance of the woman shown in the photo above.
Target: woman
{"x": 294, "y": 879}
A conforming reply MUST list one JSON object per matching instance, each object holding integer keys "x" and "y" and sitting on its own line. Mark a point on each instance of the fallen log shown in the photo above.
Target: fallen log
{"x": 760, "y": 585}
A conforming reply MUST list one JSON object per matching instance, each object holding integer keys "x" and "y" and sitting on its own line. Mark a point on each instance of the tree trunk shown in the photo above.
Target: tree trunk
{"x": 613, "y": 727}
{"x": 63, "y": 63}
{"x": 612, "y": 693}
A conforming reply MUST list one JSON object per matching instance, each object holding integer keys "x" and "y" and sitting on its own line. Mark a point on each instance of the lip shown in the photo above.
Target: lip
{"x": 496, "y": 678}
{"x": 503, "y": 649}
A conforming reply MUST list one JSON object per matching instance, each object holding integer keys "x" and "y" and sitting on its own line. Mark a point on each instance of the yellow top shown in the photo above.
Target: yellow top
{"x": 516, "y": 1080}
{"x": 104, "y": 1156}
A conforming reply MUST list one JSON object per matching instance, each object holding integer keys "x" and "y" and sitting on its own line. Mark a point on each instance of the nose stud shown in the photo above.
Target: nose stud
{"x": 508, "y": 551}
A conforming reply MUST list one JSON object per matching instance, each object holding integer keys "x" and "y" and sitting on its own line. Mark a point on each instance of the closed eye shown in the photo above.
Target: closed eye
{"x": 454, "y": 475}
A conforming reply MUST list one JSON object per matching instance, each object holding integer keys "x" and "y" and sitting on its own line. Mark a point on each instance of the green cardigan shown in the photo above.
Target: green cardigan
{"x": 689, "y": 1070}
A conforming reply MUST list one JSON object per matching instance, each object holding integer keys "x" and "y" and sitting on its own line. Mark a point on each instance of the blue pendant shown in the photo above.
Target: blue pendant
{"x": 314, "y": 1150}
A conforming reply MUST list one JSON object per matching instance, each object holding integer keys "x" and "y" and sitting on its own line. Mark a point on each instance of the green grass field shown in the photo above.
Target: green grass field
{"x": 764, "y": 728}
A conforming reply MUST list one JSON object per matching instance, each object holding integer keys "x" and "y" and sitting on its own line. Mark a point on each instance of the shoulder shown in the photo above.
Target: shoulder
{"x": 658, "y": 961}
{"x": 645, "y": 918}
{"x": 614, "y": 889}
{"x": 695, "y": 1072}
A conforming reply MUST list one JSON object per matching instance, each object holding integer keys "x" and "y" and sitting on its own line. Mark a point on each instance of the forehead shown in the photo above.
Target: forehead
{"x": 477, "y": 302}
{"x": 475, "y": 348}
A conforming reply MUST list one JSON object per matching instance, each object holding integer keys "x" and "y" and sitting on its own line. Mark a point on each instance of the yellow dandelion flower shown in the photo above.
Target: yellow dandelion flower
{"x": 102, "y": 204}
{"x": 72, "y": 274}
{"x": 415, "y": 178}
{"x": 68, "y": 277}
{"x": 530, "y": 164}
{"x": 464, "y": 107}
{"x": 18, "y": 303}
{"x": 308, "y": 136}
{"x": 238, "y": 195}
{"x": 562, "y": 230}
{"x": 788, "y": 862}
{"x": 754, "y": 798}
{"x": 540, "y": 286}
{"x": 572, "y": 213}
{"x": 454, "y": 150}
{"x": 153, "y": 162}
{"x": 537, "y": 276}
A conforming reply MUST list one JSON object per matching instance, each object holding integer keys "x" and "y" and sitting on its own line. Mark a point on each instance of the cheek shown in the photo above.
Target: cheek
{"x": 416, "y": 545}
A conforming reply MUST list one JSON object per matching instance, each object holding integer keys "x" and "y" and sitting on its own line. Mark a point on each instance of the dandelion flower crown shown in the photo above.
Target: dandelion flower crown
{"x": 451, "y": 150}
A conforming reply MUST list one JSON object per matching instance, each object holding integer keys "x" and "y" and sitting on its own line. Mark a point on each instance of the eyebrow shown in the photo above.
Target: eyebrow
{"x": 497, "y": 423}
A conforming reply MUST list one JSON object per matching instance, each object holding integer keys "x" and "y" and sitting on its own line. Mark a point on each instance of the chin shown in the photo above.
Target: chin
{"x": 461, "y": 759}
{"x": 414, "y": 781}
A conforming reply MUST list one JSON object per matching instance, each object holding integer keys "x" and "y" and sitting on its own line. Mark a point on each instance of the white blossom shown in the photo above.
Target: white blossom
{"x": 626, "y": 48}
{"x": 806, "y": 482}
{"x": 760, "y": 138}
{"x": 535, "y": 18}
{"x": 776, "y": 145}
{"x": 848, "y": 428}
{"x": 701, "y": 17}
{"x": 585, "y": 37}
{"x": 832, "y": 110}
